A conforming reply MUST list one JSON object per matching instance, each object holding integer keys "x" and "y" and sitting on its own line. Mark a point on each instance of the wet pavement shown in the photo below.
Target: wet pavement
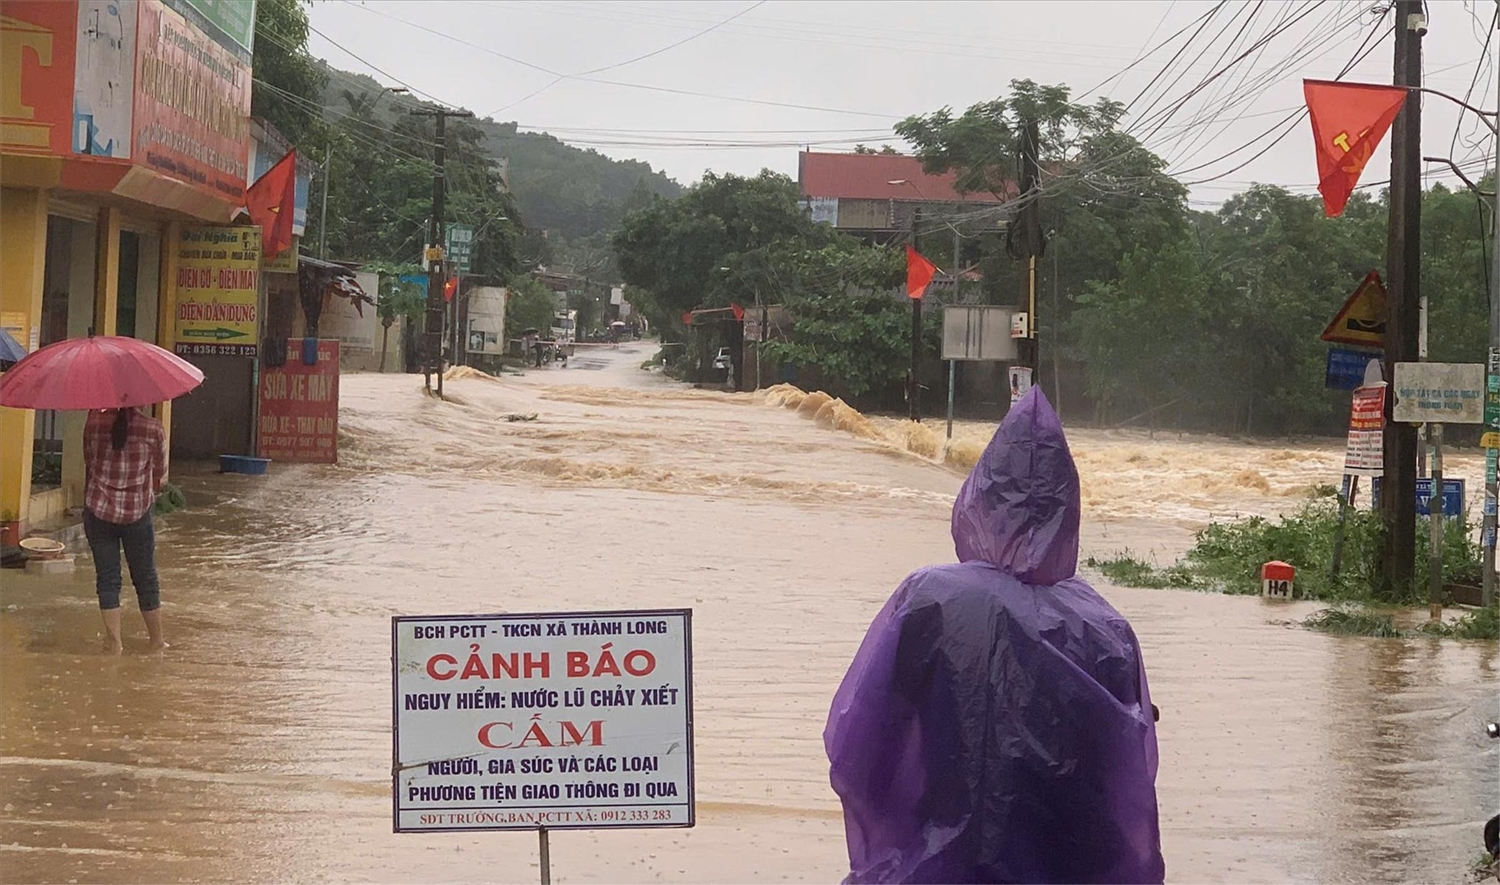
{"x": 258, "y": 747}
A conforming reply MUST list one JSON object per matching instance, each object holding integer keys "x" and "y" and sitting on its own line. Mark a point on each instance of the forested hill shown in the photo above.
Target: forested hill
{"x": 581, "y": 193}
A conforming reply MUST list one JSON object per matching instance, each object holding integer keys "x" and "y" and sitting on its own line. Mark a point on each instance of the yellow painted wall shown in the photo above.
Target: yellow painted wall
{"x": 166, "y": 311}
{"x": 23, "y": 260}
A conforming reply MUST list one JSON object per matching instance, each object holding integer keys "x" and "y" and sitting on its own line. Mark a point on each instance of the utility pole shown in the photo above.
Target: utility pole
{"x": 914, "y": 378}
{"x": 323, "y": 222}
{"x": 436, "y": 260}
{"x": 1491, "y": 397}
{"x": 1035, "y": 243}
{"x": 1403, "y": 274}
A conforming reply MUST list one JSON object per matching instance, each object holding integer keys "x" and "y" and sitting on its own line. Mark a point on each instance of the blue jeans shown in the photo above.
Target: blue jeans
{"x": 139, "y": 540}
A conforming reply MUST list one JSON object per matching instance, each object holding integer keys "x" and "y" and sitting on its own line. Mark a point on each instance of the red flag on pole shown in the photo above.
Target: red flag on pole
{"x": 919, "y": 272}
{"x": 1348, "y": 121}
{"x": 271, "y": 202}
{"x": 739, "y": 312}
{"x": 450, "y": 287}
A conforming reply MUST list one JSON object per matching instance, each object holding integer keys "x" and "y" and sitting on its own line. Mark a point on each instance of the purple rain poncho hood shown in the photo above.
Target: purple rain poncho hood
{"x": 995, "y": 725}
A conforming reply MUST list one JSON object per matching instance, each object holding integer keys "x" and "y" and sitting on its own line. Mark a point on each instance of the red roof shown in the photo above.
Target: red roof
{"x": 869, "y": 177}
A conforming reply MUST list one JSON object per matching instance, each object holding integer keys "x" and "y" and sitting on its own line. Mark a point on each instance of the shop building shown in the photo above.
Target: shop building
{"x": 123, "y": 124}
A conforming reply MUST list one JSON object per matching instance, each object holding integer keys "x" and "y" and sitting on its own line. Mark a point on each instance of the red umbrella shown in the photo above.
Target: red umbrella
{"x": 98, "y": 372}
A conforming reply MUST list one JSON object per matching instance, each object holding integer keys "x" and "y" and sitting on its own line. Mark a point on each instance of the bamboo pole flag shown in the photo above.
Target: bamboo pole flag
{"x": 1348, "y": 122}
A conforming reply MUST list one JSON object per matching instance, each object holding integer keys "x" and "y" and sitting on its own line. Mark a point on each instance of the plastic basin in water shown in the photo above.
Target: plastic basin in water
{"x": 243, "y": 464}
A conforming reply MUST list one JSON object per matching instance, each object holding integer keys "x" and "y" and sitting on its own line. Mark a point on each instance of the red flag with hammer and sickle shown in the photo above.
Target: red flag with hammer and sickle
{"x": 1348, "y": 121}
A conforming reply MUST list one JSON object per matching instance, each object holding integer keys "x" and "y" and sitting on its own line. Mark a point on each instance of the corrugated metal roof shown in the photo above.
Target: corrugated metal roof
{"x": 869, "y": 177}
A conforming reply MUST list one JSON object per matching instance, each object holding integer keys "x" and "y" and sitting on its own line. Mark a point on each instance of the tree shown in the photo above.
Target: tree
{"x": 982, "y": 146}
{"x": 288, "y": 94}
{"x": 675, "y": 249}
{"x": 399, "y": 299}
{"x": 529, "y": 305}
{"x": 849, "y": 316}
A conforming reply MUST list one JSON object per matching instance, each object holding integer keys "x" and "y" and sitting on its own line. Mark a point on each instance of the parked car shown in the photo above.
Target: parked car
{"x": 722, "y": 360}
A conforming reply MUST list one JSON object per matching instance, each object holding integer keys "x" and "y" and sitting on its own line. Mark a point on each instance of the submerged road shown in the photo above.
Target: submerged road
{"x": 258, "y": 747}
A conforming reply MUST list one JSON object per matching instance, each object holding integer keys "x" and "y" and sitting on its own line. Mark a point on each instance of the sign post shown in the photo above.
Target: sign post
{"x": 1435, "y": 393}
{"x": 569, "y": 720}
{"x": 976, "y": 333}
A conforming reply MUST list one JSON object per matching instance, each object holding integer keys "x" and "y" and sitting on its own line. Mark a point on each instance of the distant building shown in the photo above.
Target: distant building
{"x": 873, "y": 196}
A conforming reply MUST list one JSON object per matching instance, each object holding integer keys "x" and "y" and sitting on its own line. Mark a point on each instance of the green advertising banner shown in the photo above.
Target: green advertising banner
{"x": 231, "y": 23}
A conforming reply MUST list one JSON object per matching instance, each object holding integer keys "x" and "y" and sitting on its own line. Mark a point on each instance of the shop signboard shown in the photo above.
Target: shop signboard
{"x": 299, "y": 407}
{"x": 573, "y": 720}
{"x": 38, "y": 42}
{"x": 104, "y": 78}
{"x": 218, "y": 291}
{"x": 230, "y": 23}
{"x": 192, "y": 104}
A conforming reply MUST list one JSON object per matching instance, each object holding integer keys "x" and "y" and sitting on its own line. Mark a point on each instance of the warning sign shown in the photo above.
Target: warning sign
{"x": 1361, "y": 321}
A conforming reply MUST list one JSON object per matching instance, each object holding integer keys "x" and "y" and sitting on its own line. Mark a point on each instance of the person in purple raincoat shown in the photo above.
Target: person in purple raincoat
{"x": 995, "y": 725}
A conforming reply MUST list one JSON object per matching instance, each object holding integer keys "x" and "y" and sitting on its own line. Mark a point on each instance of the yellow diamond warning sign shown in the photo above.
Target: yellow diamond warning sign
{"x": 1361, "y": 321}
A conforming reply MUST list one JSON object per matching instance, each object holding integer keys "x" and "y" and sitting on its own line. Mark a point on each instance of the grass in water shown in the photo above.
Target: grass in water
{"x": 1226, "y": 557}
{"x": 1352, "y": 621}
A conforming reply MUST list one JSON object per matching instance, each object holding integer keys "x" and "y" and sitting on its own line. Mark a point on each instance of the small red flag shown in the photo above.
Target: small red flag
{"x": 450, "y": 287}
{"x": 739, "y": 312}
{"x": 1348, "y": 122}
{"x": 271, "y": 202}
{"x": 919, "y": 272}
{"x": 687, "y": 318}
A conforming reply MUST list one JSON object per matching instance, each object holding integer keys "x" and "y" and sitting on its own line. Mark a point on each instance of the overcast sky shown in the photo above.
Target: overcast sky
{"x": 738, "y": 86}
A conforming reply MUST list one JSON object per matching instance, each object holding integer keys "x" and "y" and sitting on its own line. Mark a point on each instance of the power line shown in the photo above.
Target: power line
{"x": 631, "y": 61}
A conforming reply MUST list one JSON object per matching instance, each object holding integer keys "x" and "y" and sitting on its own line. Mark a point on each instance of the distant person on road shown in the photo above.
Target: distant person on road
{"x": 125, "y": 462}
{"x": 996, "y": 725}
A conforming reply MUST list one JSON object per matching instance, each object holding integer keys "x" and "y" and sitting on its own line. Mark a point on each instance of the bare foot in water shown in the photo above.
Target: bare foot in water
{"x": 112, "y": 647}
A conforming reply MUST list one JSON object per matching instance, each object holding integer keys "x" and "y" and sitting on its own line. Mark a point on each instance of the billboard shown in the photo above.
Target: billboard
{"x": 573, "y": 720}
{"x": 192, "y": 104}
{"x": 299, "y": 407}
{"x": 218, "y": 291}
{"x": 977, "y": 332}
{"x": 104, "y": 78}
{"x": 487, "y": 320}
{"x": 38, "y": 40}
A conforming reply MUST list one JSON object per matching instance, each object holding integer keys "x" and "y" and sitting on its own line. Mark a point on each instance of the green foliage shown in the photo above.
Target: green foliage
{"x": 530, "y": 306}
{"x": 675, "y": 249}
{"x": 578, "y": 193}
{"x": 1226, "y": 557}
{"x": 281, "y": 60}
{"x": 170, "y": 500}
{"x": 1482, "y": 623}
{"x": 982, "y": 145}
{"x": 852, "y": 322}
{"x": 1352, "y": 620}
{"x": 1129, "y": 571}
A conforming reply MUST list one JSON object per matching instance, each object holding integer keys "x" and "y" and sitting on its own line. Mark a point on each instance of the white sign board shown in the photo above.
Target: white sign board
{"x": 487, "y": 320}
{"x": 977, "y": 332}
{"x": 1440, "y": 393}
{"x": 575, "y": 720}
{"x": 356, "y": 326}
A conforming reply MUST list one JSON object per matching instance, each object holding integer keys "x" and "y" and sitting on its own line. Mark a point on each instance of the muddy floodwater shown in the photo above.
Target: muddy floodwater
{"x": 258, "y": 748}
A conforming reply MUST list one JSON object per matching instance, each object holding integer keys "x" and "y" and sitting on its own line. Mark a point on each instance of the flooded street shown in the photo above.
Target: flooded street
{"x": 258, "y": 747}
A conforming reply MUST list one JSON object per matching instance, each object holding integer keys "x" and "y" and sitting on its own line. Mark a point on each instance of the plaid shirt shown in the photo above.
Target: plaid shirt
{"x": 122, "y": 485}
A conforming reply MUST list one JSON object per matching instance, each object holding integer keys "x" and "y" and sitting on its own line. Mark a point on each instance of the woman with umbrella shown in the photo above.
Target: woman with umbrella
{"x": 124, "y": 449}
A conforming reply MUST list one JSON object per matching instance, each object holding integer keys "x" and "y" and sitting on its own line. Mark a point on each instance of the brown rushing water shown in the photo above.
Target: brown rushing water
{"x": 258, "y": 747}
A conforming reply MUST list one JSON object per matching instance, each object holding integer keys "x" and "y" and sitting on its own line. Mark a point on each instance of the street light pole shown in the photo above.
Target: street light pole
{"x": 327, "y": 161}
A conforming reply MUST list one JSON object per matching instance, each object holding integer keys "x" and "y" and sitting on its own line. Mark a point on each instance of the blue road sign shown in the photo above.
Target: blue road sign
{"x": 1346, "y": 368}
{"x": 1453, "y": 495}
